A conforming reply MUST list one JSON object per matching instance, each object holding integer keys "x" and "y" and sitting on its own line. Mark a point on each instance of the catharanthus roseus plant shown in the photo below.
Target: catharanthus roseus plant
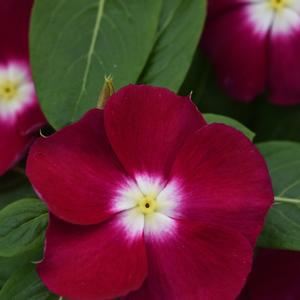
{"x": 147, "y": 201}
{"x": 254, "y": 46}
{"x": 20, "y": 116}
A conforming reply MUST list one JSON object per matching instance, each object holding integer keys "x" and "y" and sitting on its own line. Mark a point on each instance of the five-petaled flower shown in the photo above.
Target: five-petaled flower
{"x": 147, "y": 201}
{"x": 254, "y": 45}
{"x": 20, "y": 116}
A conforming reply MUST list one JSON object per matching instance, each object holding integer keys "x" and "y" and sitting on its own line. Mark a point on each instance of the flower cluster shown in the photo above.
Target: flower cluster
{"x": 146, "y": 200}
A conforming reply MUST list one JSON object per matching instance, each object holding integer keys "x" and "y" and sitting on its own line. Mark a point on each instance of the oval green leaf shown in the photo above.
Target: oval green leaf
{"x": 22, "y": 226}
{"x": 25, "y": 284}
{"x": 282, "y": 228}
{"x": 179, "y": 31}
{"x": 74, "y": 44}
{"x": 9, "y": 265}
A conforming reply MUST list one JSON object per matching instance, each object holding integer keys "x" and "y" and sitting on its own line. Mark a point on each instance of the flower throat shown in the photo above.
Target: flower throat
{"x": 278, "y": 5}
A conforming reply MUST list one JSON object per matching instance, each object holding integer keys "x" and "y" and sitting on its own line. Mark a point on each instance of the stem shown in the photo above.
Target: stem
{"x": 287, "y": 200}
{"x": 60, "y": 298}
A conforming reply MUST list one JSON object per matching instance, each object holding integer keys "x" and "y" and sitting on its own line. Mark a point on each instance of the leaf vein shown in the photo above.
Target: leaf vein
{"x": 96, "y": 30}
{"x": 289, "y": 187}
{"x": 284, "y": 165}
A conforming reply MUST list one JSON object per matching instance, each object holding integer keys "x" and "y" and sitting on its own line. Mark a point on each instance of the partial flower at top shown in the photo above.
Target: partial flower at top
{"x": 275, "y": 276}
{"x": 254, "y": 46}
{"x": 20, "y": 116}
{"x": 147, "y": 201}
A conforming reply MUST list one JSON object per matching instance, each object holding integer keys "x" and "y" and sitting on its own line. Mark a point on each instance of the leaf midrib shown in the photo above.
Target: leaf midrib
{"x": 96, "y": 30}
{"x": 280, "y": 199}
{"x": 29, "y": 221}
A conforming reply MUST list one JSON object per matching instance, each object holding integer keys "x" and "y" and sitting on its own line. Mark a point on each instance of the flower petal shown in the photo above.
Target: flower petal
{"x": 12, "y": 147}
{"x": 275, "y": 275}
{"x": 195, "y": 262}
{"x": 31, "y": 120}
{"x": 222, "y": 6}
{"x": 14, "y": 26}
{"x": 147, "y": 125}
{"x": 76, "y": 172}
{"x": 224, "y": 180}
{"x": 92, "y": 262}
{"x": 237, "y": 52}
{"x": 284, "y": 81}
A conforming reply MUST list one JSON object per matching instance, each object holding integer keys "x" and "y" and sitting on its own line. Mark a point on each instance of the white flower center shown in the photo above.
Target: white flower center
{"x": 149, "y": 205}
{"x": 275, "y": 16}
{"x": 16, "y": 89}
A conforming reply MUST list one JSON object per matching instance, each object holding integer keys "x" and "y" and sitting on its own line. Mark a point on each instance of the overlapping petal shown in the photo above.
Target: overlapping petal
{"x": 275, "y": 275}
{"x": 76, "y": 172}
{"x": 12, "y": 146}
{"x": 14, "y": 28}
{"x": 31, "y": 120}
{"x": 238, "y": 53}
{"x": 92, "y": 262}
{"x": 147, "y": 125}
{"x": 195, "y": 262}
{"x": 224, "y": 180}
{"x": 284, "y": 74}
{"x": 216, "y": 7}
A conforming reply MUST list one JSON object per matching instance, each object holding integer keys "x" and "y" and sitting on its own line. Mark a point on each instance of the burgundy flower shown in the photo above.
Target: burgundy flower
{"x": 275, "y": 276}
{"x": 20, "y": 116}
{"x": 149, "y": 202}
{"x": 254, "y": 45}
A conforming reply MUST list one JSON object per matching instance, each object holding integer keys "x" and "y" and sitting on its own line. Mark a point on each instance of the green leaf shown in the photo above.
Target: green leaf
{"x": 274, "y": 122}
{"x": 282, "y": 229}
{"x": 9, "y": 265}
{"x": 22, "y": 226}
{"x": 14, "y": 186}
{"x": 180, "y": 27}
{"x": 25, "y": 284}
{"x": 212, "y": 118}
{"x": 75, "y": 43}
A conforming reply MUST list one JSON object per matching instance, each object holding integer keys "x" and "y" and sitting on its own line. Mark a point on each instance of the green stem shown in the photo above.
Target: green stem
{"x": 287, "y": 200}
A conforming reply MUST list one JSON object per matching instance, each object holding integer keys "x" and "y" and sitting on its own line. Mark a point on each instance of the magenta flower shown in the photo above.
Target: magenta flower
{"x": 149, "y": 202}
{"x": 254, "y": 46}
{"x": 20, "y": 116}
{"x": 275, "y": 276}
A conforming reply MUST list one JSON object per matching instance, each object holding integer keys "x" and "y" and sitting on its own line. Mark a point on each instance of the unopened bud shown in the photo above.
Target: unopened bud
{"x": 106, "y": 92}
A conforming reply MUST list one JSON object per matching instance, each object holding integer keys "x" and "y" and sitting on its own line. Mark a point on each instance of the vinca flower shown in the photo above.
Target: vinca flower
{"x": 20, "y": 115}
{"x": 254, "y": 46}
{"x": 147, "y": 201}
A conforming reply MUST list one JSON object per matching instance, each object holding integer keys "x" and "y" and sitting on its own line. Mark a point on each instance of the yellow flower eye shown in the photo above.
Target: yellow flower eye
{"x": 147, "y": 204}
{"x": 278, "y": 4}
{"x": 8, "y": 90}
